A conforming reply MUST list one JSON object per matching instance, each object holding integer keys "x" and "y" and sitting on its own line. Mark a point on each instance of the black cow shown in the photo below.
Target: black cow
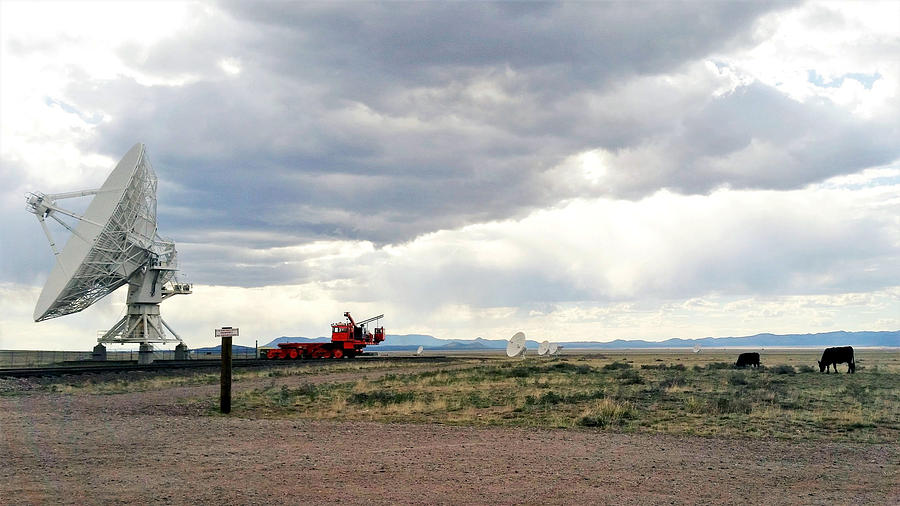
{"x": 835, "y": 356}
{"x": 745, "y": 359}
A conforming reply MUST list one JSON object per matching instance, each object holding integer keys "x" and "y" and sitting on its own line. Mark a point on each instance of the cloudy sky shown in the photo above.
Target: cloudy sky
{"x": 585, "y": 171}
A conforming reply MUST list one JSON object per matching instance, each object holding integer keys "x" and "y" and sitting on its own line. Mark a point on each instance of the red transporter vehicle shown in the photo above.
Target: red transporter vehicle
{"x": 347, "y": 341}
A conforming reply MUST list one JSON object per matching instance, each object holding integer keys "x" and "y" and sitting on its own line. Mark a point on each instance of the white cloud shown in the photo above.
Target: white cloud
{"x": 47, "y": 45}
{"x": 830, "y": 40}
{"x": 231, "y": 66}
{"x": 670, "y": 246}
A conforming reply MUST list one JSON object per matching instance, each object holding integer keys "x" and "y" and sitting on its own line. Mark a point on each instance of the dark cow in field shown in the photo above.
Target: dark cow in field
{"x": 835, "y": 356}
{"x": 745, "y": 359}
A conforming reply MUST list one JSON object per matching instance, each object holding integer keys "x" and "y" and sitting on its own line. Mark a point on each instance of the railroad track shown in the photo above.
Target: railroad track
{"x": 163, "y": 365}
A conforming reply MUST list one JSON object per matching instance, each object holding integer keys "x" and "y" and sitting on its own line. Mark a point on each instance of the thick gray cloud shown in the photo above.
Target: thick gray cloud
{"x": 382, "y": 122}
{"x": 754, "y": 138}
{"x": 418, "y": 42}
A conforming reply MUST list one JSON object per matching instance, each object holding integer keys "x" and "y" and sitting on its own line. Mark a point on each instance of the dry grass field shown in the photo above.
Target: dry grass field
{"x": 630, "y": 427}
{"x": 650, "y": 391}
{"x": 672, "y": 393}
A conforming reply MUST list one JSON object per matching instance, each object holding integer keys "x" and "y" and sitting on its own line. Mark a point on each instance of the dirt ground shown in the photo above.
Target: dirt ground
{"x": 149, "y": 448}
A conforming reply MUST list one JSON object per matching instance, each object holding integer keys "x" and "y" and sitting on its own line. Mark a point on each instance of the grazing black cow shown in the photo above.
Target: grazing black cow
{"x": 835, "y": 356}
{"x": 745, "y": 359}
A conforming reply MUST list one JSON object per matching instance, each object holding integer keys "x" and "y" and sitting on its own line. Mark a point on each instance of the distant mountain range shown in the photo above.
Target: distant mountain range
{"x": 839, "y": 338}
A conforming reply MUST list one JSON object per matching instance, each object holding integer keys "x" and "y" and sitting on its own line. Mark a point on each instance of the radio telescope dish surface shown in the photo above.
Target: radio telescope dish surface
{"x": 554, "y": 349}
{"x": 544, "y": 348}
{"x": 514, "y": 349}
{"x": 516, "y": 345}
{"x": 110, "y": 242}
{"x": 114, "y": 243}
{"x": 697, "y": 348}
{"x": 419, "y": 351}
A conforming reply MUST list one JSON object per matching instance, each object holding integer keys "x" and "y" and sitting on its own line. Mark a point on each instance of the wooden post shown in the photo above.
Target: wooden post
{"x": 225, "y": 397}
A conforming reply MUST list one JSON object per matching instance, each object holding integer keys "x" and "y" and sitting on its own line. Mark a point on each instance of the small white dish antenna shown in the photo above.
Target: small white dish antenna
{"x": 697, "y": 348}
{"x": 516, "y": 345}
{"x": 419, "y": 351}
{"x": 554, "y": 349}
{"x": 544, "y": 348}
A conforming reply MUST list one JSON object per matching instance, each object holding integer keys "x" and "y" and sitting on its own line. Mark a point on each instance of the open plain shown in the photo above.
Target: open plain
{"x": 645, "y": 427}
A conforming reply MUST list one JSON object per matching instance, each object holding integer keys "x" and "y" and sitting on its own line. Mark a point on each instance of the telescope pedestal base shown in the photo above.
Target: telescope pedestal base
{"x": 182, "y": 352}
{"x": 99, "y": 353}
{"x": 145, "y": 354}
{"x": 141, "y": 325}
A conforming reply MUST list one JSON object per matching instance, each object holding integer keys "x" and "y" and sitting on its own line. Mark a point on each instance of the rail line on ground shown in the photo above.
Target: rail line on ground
{"x": 165, "y": 365}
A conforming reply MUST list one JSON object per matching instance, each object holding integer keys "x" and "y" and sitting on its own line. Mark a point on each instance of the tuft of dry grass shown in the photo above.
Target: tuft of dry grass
{"x": 606, "y": 412}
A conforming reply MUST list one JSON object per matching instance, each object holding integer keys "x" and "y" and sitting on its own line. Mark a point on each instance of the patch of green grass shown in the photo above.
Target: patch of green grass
{"x": 615, "y": 366}
{"x": 674, "y": 380}
{"x": 729, "y": 404}
{"x": 630, "y": 377}
{"x": 664, "y": 367}
{"x": 783, "y": 369}
{"x": 381, "y": 397}
{"x": 737, "y": 379}
{"x": 857, "y": 391}
{"x": 548, "y": 398}
{"x": 572, "y": 368}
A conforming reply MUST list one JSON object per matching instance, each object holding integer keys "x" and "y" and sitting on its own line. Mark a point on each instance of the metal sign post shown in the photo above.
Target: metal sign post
{"x": 225, "y": 392}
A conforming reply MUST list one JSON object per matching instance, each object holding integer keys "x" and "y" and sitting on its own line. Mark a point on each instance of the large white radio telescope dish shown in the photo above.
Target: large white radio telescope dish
{"x": 113, "y": 244}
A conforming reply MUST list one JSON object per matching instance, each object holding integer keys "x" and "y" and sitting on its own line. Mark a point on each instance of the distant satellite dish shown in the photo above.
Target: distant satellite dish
{"x": 513, "y": 349}
{"x": 114, "y": 243}
{"x": 554, "y": 349}
{"x": 419, "y": 351}
{"x": 697, "y": 348}
{"x": 516, "y": 345}
{"x": 544, "y": 348}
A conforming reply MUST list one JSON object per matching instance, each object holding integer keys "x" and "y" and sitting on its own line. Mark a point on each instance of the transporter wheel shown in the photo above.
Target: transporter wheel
{"x": 272, "y": 354}
{"x": 338, "y": 354}
{"x": 293, "y": 354}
